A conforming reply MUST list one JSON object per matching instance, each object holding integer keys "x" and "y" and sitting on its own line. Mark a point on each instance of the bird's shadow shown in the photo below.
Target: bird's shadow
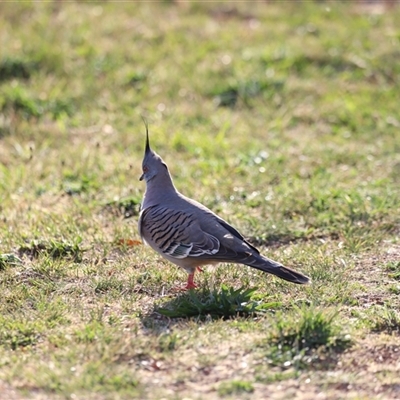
{"x": 204, "y": 305}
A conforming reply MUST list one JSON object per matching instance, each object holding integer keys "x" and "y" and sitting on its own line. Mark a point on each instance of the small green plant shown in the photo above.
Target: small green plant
{"x": 235, "y": 387}
{"x": 228, "y": 95}
{"x": 74, "y": 184}
{"x": 16, "y": 68}
{"x": 226, "y": 303}
{"x": 127, "y": 206}
{"x": 54, "y": 249}
{"x": 18, "y": 101}
{"x": 167, "y": 342}
{"x": 8, "y": 259}
{"x": 384, "y": 318}
{"x": 300, "y": 338}
{"x": 16, "y": 334}
{"x": 89, "y": 332}
{"x": 108, "y": 284}
{"x": 393, "y": 267}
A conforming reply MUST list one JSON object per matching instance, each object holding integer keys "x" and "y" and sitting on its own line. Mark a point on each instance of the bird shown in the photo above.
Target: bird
{"x": 190, "y": 235}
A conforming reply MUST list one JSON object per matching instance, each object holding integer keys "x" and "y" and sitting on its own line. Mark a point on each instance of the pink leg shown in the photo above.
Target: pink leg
{"x": 190, "y": 282}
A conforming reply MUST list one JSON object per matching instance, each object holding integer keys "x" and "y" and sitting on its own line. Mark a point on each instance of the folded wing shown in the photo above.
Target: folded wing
{"x": 176, "y": 233}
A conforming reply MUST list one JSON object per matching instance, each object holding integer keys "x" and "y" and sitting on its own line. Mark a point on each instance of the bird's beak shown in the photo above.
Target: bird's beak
{"x": 141, "y": 178}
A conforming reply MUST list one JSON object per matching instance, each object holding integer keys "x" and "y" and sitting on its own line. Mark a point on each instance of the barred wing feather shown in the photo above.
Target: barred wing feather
{"x": 176, "y": 233}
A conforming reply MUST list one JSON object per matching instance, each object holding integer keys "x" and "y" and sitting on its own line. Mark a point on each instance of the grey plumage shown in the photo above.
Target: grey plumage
{"x": 189, "y": 234}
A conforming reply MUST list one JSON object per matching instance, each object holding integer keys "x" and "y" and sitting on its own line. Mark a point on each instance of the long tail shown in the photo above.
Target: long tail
{"x": 272, "y": 267}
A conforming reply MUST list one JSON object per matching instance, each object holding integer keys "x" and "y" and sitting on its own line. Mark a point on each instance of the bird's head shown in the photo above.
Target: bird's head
{"x": 153, "y": 165}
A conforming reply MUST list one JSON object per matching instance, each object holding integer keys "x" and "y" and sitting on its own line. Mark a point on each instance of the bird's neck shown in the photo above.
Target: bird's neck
{"x": 158, "y": 190}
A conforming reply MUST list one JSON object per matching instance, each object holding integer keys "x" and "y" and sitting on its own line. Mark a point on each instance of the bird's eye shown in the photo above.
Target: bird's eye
{"x": 145, "y": 169}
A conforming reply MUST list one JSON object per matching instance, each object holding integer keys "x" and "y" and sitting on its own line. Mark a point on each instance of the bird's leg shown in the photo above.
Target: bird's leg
{"x": 190, "y": 282}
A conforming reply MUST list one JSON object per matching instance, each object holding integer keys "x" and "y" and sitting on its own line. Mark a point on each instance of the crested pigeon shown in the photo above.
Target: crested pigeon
{"x": 190, "y": 235}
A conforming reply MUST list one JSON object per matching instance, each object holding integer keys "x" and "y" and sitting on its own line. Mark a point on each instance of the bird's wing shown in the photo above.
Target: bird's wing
{"x": 176, "y": 233}
{"x": 236, "y": 234}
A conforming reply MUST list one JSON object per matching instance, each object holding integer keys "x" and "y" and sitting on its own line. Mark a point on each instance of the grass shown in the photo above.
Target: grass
{"x": 235, "y": 387}
{"x": 225, "y": 303}
{"x": 304, "y": 337}
{"x": 282, "y": 118}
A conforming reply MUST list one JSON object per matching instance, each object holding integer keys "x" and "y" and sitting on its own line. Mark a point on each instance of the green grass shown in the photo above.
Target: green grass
{"x": 306, "y": 336}
{"x": 282, "y": 117}
{"x": 235, "y": 387}
{"x": 225, "y": 303}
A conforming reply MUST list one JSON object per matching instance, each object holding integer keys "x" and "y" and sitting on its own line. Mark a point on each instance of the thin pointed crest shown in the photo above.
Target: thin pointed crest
{"x": 147, "y": 148}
